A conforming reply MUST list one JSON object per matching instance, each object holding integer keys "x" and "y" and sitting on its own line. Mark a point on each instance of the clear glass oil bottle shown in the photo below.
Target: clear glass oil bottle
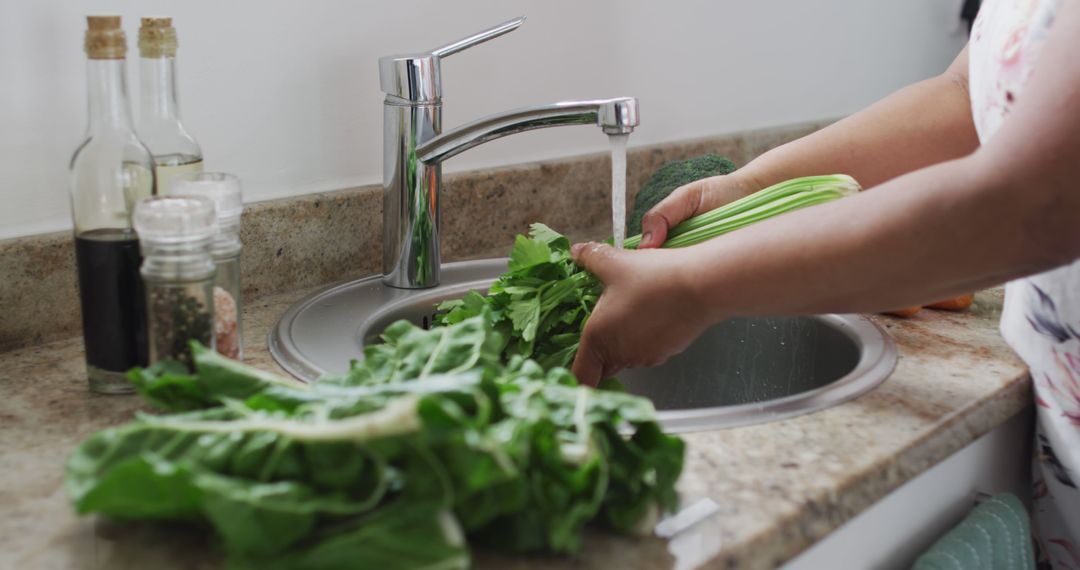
{"x": 110, "y": 172}
{"x": 175, "y": 151}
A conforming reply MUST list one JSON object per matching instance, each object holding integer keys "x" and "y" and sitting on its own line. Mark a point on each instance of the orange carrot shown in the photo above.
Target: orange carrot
{"x": 905, "y": 312}
{"x": 958, "y": 303}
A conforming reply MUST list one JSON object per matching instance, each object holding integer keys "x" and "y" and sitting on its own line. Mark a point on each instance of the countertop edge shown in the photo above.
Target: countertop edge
{"x": 963, "y": 428}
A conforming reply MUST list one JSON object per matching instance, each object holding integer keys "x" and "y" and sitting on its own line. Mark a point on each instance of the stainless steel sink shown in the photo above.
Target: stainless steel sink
{"x": 740, "y": 372}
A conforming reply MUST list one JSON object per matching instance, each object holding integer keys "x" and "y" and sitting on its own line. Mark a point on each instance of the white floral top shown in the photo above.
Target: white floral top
{"x": 1041, "y": 320}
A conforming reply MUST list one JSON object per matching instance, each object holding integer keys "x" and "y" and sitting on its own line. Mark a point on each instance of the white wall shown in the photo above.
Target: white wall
{"x": 285, "y": 93}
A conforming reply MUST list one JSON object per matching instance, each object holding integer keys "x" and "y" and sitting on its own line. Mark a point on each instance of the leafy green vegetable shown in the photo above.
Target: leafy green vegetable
{"x": 168, "y": 385}
{"x": 539, "y": 305}
{"x": 543, "y": 300}
{"x": 431, "y": 437}
{"x": 669, "y": 177}
{"x": 424, "y": 536}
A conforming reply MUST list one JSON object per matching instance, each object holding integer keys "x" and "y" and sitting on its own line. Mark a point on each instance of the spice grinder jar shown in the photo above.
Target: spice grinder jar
{"x": 224, "y": 190}
{"x": 175, "y": 235}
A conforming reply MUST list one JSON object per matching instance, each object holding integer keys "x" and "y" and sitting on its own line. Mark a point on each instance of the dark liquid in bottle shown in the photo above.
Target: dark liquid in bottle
{"x": 113, "y": 302}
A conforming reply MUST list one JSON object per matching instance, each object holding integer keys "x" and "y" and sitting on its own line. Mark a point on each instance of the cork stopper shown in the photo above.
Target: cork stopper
{"x": 104, "y": 38}
{"x": 157, "y": 38}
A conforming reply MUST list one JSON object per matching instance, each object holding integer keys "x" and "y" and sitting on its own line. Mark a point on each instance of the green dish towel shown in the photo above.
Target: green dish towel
{"x": 996, "y": 534}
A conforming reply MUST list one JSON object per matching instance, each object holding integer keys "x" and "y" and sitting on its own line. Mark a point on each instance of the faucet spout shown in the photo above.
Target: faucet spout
{"x": 615, "y": 116}
{"x": 414, "y": 148}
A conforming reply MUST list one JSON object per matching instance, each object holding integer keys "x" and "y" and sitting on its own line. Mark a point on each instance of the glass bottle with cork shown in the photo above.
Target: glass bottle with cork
{"x": 224, "y": 190}
{"x": 110, "y": 172}
{"x": 175, "y": 151}
{"x": 178, "y": 269}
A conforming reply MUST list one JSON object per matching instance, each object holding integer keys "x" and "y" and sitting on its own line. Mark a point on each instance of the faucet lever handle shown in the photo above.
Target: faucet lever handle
{"x": 414, "y": 77}
{"x": 478, "y": 38}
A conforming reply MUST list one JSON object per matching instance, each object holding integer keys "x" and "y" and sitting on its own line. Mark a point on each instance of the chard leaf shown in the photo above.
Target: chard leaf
{"x": 139, "y": 487}
{"x": 402, "y": 536}
{"x": 433, "y": 434}
{"x": 257, "y": 519}
{"x": 167, "y": 385}
{"x": 224, "y": 377}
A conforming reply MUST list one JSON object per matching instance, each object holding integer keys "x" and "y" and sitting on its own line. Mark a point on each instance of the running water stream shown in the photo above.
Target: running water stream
{"x": 618, "y": 187}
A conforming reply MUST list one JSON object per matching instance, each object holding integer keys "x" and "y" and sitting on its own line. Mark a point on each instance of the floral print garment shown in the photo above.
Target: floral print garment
{"x": 1041, "y": 319}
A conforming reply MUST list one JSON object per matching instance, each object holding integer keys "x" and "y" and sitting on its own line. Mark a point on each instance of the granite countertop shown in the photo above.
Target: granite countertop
{"x": 779, "y": 487}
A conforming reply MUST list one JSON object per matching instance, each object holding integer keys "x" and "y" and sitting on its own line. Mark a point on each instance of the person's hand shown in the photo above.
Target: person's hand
{"x": 646, "y": 314}
{"x": 688, "y": 201}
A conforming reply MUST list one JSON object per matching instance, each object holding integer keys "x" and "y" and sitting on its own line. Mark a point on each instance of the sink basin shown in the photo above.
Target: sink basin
{"x": 740, "y": 372}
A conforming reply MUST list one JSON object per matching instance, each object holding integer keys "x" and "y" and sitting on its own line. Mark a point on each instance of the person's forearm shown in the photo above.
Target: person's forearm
{"x": 1007, "y": 210}
{"x": 923, "y": 124}
{"x": 948, "y": 229}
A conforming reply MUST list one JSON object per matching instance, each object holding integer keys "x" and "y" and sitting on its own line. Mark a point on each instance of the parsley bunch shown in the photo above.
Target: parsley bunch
{"x": 539, "y": 306}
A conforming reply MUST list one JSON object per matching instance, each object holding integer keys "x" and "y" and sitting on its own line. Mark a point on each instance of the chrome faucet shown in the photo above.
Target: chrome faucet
{"x": 413, "y": 150}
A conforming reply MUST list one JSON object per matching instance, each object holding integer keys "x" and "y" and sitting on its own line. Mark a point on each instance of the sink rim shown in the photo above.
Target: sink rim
{"x": 878, "y": 355}
{"x": 287, "y": 354}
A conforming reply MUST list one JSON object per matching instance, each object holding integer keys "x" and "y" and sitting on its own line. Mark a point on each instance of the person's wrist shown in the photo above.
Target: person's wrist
{"x": 693, "y": 289}
{"x": 767, "y": 169}
{"x": 746, "y": 181}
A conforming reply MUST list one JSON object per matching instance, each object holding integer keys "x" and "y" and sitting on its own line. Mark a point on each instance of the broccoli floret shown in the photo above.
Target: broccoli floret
{"x": 669, "y": 177}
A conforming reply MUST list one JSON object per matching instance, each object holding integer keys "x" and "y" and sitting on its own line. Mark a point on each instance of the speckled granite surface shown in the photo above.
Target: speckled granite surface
{"x": 779, "y": 486}
{"x": 314, "y": 239}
